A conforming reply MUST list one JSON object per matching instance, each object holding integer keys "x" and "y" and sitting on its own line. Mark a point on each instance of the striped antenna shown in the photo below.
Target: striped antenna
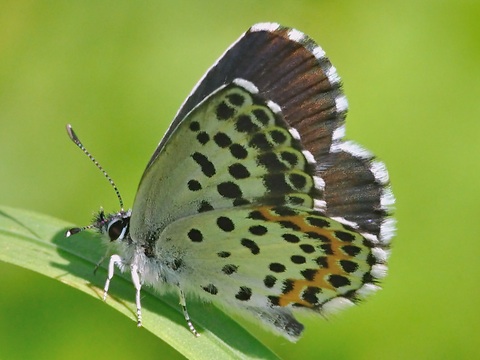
{"x": 76, "y": 230}
{"x": 77, "y": 142}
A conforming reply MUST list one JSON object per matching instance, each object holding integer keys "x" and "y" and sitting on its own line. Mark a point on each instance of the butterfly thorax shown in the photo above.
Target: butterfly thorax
{"x": 153, "y": 267}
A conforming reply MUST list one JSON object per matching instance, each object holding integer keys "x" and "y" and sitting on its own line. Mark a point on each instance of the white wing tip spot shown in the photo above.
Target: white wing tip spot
{"x": 296, "y": 35}
{"x": 294, "y": 132}
{"x": 274, "y": 107}
{"x": 366, "y": 290}
{"x": 265, "y": 27}
{"x": 309, "y": 157}
{"x": 332, "y": 75}
{"x": 318, "y": 52}
{"x": 319, "y": 183}
{"x": 319, "y": 205}
{"x": 341, "y": 103}
{"x": 380, "y": 254}
{"x": 388, "y": 199}
{"x": 344, "y": 221}
{"x": 380, "y": 172}
{"x": 379, "y": 271}
{"x": 336, "y": 304}
{"x": 338, "y": 133}
{"x": 387, "y": 230}
{"x": 353, "y": 149}
{"x": 370, "y": 237}
{"x": 247, "y": 85}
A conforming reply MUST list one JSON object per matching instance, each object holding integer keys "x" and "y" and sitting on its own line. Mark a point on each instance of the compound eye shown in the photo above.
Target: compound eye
{"x": 116, "y": 230}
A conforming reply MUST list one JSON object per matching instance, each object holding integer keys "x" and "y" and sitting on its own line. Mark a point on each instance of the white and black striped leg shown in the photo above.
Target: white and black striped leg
{"x": 183, "y": 304}
{"x": 138, "y": 287}
{"x": 114, "y": 260}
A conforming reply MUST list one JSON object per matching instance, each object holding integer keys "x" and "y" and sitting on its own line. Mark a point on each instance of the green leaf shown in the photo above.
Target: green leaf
{"x": 37, "y": 242}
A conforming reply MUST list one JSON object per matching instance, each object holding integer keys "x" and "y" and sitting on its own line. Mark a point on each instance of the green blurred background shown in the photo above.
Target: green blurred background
{"x": 119, "y": 70}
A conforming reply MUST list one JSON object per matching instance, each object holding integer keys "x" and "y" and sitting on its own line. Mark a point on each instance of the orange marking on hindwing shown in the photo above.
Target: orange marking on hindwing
{"x": 320, "y": 278}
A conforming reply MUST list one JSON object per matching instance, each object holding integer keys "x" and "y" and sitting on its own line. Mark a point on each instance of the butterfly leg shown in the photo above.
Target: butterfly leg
{"x": 98, "y": 264}
{"x": 183, "y": 304}
{"x": 138, "y": 286}
{"x": 114, "y": 260}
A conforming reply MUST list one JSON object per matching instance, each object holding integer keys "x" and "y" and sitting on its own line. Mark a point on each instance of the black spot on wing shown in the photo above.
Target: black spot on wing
{"x": 195, "y": 235}
{"x": 222, "y": 140}
{"x": 269, "y": 281}
{"x": 238, "y": 171}
{"x": 277, "y": 267}
{"x": 225, "y": 224}
{"x": 244, "y": 294}
{"x": 211, "y": 289}
{"x": 206, "y": 166}
{"x": 194, "y": 185}
{"x": 251, "y": 245}
{"x": 229, "y": 190}
{"x": 229, "y": 269}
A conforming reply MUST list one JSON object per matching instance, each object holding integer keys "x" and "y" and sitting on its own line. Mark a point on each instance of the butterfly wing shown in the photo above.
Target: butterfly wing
{"x": 269, "y": 261}
{"x": 258, "y": 147}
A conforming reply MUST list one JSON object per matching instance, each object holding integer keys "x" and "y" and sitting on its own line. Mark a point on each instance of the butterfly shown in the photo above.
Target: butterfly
{"x": 253, "y": 200}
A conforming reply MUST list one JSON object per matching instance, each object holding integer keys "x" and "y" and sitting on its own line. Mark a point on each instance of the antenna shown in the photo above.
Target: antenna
{"x": 76, "y": 230}
{"x": 77, "y": 142}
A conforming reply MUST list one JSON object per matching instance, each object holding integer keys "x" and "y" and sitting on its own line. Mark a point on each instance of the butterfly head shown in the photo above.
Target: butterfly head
{"x": 112, "y": 226}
